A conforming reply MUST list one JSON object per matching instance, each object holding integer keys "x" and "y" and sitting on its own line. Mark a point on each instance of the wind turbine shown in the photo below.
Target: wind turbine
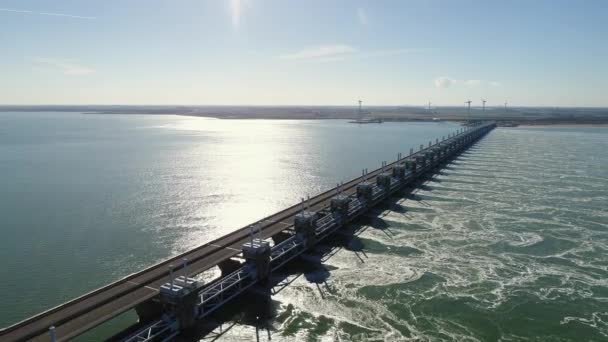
{"x": 469, "y": 110}
{"x": 429, "y": 106}
{"x": 505, "y": 106}
{"x": 483, "y": 103}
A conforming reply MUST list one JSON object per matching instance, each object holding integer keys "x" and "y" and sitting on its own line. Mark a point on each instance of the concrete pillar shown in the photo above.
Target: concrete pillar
{"x": 384, "y": 180}
{"x": 410, "y": 164}
{"x": 364, "y": 190}
{"x": 305, "y": 225}
{"x": 339, "y": 204}
{"x": 257, "y": 255}
{"x": 185, "y": 311}
{"x": 179, "y": 296}
{"x": 399, "y": 171}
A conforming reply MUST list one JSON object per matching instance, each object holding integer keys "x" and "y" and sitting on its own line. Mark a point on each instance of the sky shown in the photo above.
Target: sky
{"x": 313, "y": 52}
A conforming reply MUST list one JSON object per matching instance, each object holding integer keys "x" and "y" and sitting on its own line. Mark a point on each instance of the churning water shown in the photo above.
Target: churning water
{"x": 508, "y": 242}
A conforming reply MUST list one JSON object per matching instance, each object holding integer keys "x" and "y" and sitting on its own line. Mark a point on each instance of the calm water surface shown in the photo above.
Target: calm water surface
{"x": 87, "y": 199}
{"x": 498, "y": 246}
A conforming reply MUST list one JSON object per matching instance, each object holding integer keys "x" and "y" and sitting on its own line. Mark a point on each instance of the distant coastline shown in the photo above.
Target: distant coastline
{"x": 563, "y": 125}
{"x": 515, "y": 116}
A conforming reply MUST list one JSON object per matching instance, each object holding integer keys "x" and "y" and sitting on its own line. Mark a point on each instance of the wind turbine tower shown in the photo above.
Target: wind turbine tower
{"x": 483, "y": 105}
{"x": 505, "y": 107}
{"x": 429, "y": 106}
{"x": 469, "y": 110}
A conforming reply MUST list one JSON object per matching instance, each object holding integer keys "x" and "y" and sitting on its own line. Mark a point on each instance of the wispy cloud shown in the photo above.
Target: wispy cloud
{"x": 495, "y": 84}
{"x": 338, "y": 52}
{"x": 67, "y": 67}
{"x": 446, "y": 82}
{"x": 335, "y": 51}
{"x": 471, "y": 83}
{"x": 46, "y": 13}
{"x": 443, "y": 82}
{"x": 362, "y": 16}
{"x": 391, "y": 52}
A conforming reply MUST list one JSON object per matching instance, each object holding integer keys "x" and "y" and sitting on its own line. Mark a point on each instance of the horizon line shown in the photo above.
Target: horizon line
{"x": 295, "y": 105}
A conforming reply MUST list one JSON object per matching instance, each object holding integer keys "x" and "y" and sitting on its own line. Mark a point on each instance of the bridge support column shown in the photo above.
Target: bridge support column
{"x": 437, "y": 150}
{"x": 257, "y": 255}
{"x": 384, "y": 180}
{"x": 305, "y": 227}
{"x": 420, "y": 160}
{"x": 185, "y": 311}
{"x": 429, "y": 156}
{"x": 364, "y": 190}
{"x": 180, "y": 294}
{"x": 410, "y": 165}
{"x": 399, "y": 171}
{"x": 340, "y": 204}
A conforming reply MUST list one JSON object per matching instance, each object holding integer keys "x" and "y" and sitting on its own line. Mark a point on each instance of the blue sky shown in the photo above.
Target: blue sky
{"x": 313, "y": 52}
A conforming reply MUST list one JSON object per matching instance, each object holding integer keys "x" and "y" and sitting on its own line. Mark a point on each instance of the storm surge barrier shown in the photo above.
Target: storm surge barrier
{"x": 169, "y": 298}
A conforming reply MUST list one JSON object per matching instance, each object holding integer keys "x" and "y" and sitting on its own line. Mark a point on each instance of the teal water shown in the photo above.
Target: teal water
{"x": 87, "y": 199}
{"x": 498, "y": 247}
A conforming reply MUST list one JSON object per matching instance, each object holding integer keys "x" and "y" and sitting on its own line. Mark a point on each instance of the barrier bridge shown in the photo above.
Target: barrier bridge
{"x": 171, "y": 299}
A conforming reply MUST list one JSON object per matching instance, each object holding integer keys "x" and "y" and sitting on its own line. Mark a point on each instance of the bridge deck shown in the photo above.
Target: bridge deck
{"x": 83, "y": 313}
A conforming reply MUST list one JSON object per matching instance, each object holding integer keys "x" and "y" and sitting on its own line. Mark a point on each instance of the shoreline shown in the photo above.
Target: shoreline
{"x": 562, "y": 125}
{"x": 388, "y": 114}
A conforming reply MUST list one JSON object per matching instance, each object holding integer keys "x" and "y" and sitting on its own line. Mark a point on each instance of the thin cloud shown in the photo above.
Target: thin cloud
{"x": 362, "y": 16}
{"x": 47, "y": 13}
{"x": 446, "y": 82}
{"x": 338, "y": 52}
{"x": 324, "y": 52}
{"x": 471, "y": 83}
{"x": 391, "y": 52}
{"x": 67, "y": 67}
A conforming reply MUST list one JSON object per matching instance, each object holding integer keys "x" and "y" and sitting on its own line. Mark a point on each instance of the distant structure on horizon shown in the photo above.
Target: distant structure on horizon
{"x": 363, "y": 120}
{"x": 468, "y": 109}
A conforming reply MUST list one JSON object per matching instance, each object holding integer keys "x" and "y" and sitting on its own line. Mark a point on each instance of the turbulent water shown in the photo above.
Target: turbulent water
{"x": 506, "y": 243}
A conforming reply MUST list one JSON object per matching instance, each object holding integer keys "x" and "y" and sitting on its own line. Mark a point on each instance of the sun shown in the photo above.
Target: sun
{"x": 235, "y": 12}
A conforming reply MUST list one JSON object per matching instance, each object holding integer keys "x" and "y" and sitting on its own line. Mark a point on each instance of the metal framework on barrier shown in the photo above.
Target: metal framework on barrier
{"x": 214, "y": 296}
{"x": 285, "y": 251}
{"x": 164, "y": 330}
